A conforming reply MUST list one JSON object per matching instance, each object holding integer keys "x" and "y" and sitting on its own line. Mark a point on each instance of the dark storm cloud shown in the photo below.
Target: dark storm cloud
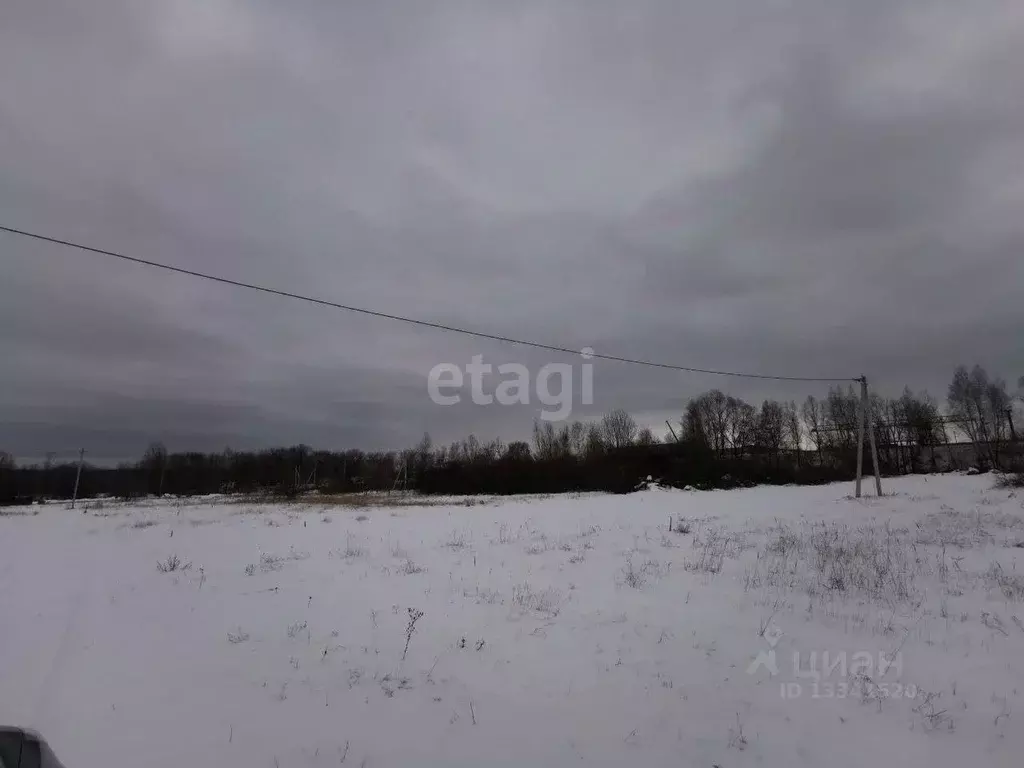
{"x": 787, "y": 187}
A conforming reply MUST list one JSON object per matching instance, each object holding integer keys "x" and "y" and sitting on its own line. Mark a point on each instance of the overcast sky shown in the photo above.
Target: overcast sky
{"x": 785, "y": 186}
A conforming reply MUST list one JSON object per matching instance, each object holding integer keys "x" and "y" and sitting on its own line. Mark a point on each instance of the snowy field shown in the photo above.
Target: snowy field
{"x": 524, "y": 631}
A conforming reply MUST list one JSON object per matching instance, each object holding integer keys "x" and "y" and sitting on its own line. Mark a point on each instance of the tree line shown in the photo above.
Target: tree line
{"x": 719, "y": 441}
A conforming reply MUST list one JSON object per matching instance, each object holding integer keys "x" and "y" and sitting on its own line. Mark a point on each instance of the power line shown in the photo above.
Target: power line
{"x": 410, "y": 320}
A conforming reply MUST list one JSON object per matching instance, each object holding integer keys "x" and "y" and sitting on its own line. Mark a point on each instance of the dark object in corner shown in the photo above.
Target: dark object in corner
{"x": 21, "y": 748}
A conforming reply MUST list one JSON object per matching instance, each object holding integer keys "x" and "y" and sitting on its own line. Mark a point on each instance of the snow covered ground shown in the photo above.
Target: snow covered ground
{"x": 554, "y": 631}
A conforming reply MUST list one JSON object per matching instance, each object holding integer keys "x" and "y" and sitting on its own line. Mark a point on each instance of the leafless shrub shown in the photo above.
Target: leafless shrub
{"x": 1011, "y": 480}
{"x": 296, "y": 628}
{"x": 544, "y": 602}
{"x": 767, "y": 622}
{"x": 18, "y": 512}
{"x": 992, "y": 621}
{"x": 390, "y": 683}
{"x": 354, "y": 676}
{"x": 633, "y": 577}
{"x": 964, "y": 530}
{"x": 712, "y": 549}
{"x": 489, "y": 596}
{"x": 250, "y": 569}
{"x": 456, "y": 541}
{"x": 1002, "y": 520}
{"x": 931, "y": 717}
{"x": 399, "y": 553}
{"x": 506, "y": 535}
{"x": 752, "y": 578}
{"x": 1010, "y": 584}
{"x": 870, "y": 691}
{"x": 269, "y": 562}
{"x": 142, "y": 524}
{"x": 238, "y": 637}
{"x": 877, "y": 562}
{"x": 414, "y": 615}
{"x": 171, "y": 564}
{"x": 352, "y": 550}
{"x": 736, "y": 737}
{"x": 410, "y": 568}
{"x": 682, "y": 525}
{"x": 637, "y": 576}
{"x": 785, "y": 542}
{"x": 359, "y": 500}
{"x": 832, "y": 558}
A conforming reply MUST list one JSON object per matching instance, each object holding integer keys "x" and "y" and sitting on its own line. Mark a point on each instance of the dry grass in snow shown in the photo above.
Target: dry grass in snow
{"x": 758, "y": 627}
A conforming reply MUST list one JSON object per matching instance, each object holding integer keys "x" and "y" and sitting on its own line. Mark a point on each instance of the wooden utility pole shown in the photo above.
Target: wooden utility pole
{"x": 674, "y": 436}
{"x": 871, "y": 438}
{"x": 866, "y": 419}
{"x": 78, "y": 476}
{"x": 860, "y": 433}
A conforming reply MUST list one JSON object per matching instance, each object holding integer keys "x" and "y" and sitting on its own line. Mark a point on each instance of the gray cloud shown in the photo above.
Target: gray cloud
{"x": 797, "y": 188}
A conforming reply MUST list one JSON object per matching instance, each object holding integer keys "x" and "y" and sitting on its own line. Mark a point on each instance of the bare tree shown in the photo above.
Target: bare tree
{"x": 980, "y": 408}
{"x": 693, "y": 427}
{"x": 713, "y": 410}
{"x": 841, "y": 417}
{"x": 518, "y": 450}
{"x": 964, "y": 400}
{"x": 544, "y": 439}
{"x": 155, "y": 461}
{"x": 921, "y": 424}
{"x": 740, "y": 419}
{"x": 422, "y": 455}
{"x": 577, "y": 438}
{"x": 595, "y": 441}
{"x": 645, "y": 437}
{"x": 550, "y": 443}
{"x": 770, "y": 431}
{"x": 813, "y": 415}
{"x": 619, "y": 428}
{"x": 493, "y": 449}
{"x": 794, "y": 431}
{"x": 471, "y": 448}
{"x": 998, "y": 402}
{"x": 564, "y": 440}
